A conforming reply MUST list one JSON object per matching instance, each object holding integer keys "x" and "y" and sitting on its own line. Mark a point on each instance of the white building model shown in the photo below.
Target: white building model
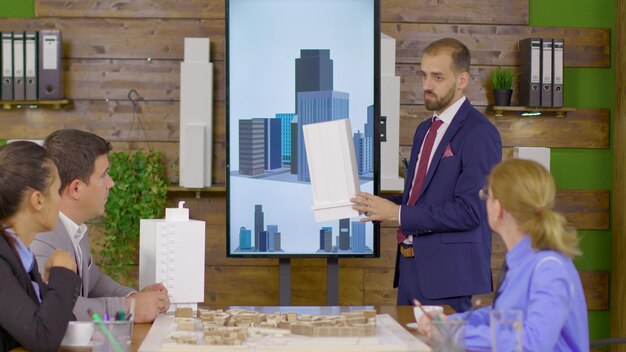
{"x": 172, "y": 252}
{"x": 332, "y": 166}
{"x": 390, "y": 109}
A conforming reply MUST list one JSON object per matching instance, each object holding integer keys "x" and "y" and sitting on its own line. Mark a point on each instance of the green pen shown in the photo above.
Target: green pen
{"x": 106, "y": 331}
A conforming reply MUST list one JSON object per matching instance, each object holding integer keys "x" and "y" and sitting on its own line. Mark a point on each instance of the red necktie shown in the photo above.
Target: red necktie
{"x": 418, "y": 181}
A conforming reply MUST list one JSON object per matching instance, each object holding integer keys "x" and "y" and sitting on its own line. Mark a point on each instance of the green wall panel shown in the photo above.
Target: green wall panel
{"x": 596, "y": 246}
{"x": 17, "y": 8}
{"x": 584, "y": 88}
{"x": 599, "y": 324}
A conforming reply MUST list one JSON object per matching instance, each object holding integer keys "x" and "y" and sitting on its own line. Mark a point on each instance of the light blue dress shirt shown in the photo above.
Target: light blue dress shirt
{"x": 546, "y": 287}
{"x": 27, "y": 258}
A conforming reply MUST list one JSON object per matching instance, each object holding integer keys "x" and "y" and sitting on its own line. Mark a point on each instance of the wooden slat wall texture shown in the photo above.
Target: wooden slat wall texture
{"x": 618, "y": 284}
{"x": 457, "y": 11}
{"x": 113, "y": 46}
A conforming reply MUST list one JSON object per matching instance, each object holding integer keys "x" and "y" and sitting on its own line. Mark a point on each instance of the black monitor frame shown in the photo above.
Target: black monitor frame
{"x": 376, "y": 146}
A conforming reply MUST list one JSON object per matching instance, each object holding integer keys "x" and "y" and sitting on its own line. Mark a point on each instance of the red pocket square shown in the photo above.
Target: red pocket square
{"x": 448, "y": 151}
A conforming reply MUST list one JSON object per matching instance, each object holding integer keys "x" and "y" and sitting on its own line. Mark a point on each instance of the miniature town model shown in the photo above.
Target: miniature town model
{"x": 264, "y": 330}
{"x": 232, "y": 327}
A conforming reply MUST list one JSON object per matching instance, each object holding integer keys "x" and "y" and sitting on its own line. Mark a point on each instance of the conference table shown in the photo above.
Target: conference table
{"x": 402, "y": 314}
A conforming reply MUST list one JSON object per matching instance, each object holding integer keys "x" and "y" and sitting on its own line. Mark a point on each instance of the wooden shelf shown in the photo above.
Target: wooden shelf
{"x": 530, "y": 110}
{"x": 56, "y": 104}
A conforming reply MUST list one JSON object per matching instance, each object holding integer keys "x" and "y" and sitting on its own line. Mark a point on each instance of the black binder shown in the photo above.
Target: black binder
{"x": 50, "y": 69}
{"x": 530, "y": 72}
{"x": 557, "y": 72}
{"x": 546, "y": 72}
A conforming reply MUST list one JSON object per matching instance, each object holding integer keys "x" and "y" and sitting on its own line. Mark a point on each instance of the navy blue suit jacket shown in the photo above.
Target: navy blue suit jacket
{"x": 452, "y": 239}
{"x": 24, "y": 321}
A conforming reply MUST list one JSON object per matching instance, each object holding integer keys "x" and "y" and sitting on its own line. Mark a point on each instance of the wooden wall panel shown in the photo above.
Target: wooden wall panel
{"x": 113, "y": 120}
{"x": 596, "y": 287}
{"x": 378, "y": 289}
{"x": 457, "y": 11}
{"x": 497, "y": 45}
{"x": 585, "y": 209}
{"x": 208, "y": 9}
{"x": 163, "y": 39}
{"x": 590, "y": 126}
{"x": 129, "y": 38}
{"x": 491, "y": 11}
{"x": 112, "y": 79}
{"x": 250, "y": 285}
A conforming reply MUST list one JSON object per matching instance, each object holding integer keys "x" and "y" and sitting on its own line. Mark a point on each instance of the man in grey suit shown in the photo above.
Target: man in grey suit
{"x": 81, "y": 158}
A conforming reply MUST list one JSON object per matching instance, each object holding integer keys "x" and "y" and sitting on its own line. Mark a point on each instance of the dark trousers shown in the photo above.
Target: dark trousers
{"x": 409, "y": 289}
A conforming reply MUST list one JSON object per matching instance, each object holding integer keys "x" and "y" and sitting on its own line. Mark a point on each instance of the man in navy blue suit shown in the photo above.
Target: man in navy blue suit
{"x": 444, "y": 240}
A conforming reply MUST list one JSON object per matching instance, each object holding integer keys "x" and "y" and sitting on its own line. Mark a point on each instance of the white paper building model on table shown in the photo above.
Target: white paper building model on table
{"x": 332, "y": 167}
{"x": 172, "y": 252}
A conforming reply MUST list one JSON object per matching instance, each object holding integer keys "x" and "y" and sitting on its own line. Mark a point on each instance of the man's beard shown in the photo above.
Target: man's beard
{"x": 439, "y": 103}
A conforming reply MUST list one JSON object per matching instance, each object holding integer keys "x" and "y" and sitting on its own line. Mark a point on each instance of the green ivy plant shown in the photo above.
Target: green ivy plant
{"x": 140, "y": 192}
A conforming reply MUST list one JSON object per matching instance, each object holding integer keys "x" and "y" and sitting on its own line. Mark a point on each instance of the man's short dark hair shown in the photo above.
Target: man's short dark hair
{"x": 75, "y": 152}
{"x": 459, "y": 52}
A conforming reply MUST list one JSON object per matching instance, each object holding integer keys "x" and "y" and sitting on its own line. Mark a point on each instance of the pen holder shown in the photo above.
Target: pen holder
{"x": 112, "y": 336}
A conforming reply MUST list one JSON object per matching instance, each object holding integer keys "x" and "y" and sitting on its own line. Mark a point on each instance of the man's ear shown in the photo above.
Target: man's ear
{"x": 462, "y": 80}
{"x": 73, "y": 189}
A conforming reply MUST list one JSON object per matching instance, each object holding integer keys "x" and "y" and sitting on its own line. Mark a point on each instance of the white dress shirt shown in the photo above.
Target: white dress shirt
{"x": 76, "y": 233}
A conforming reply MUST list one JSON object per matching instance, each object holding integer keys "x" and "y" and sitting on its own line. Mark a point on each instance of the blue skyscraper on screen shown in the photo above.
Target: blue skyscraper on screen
{"x": 316, "y": 101}
{"x": 358, "y": 237}
{"x": 271, "y": 239}
{"x": 245, "y": 239}
{"x": 285, "y": 128}
{"x": 272, "y": 155}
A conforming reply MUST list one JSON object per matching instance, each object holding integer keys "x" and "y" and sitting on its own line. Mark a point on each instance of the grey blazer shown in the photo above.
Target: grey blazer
{"x": 96, "y": 285}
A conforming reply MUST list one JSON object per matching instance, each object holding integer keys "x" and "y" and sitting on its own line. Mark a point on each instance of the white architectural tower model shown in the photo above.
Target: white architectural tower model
{"x": 390, "y": 114}
{"x": 196, "y": 114}
{"x": 172, "y": 252}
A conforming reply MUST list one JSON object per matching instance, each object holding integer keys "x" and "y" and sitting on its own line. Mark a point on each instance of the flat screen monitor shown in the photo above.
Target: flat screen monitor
{"x": 291, "y": 63}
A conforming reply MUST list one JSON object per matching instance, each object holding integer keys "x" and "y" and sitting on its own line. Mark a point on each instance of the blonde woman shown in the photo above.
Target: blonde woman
{"x": 541, "y": 279}
{"x": 33, "y": 314}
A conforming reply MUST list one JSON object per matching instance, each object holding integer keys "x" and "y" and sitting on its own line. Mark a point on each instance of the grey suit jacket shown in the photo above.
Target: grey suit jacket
{"x": 96, "y": 285}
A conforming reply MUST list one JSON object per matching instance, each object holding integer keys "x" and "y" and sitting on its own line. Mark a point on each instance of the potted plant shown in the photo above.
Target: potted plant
{"x": 140, "y": 192}
{"x": 502, "y": 80}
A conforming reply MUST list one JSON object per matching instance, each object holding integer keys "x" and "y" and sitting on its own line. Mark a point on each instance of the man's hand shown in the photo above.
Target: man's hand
{"x": 155, "y": 287}
{"x": 375, "y": 208}
{"x": 149, "y": 303}
{"x": 58, "y": 258}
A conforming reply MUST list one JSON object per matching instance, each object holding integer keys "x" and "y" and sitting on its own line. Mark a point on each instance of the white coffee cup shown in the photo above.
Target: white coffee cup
{"x": 78, "y": 333}
{"x": 418, "y": 312}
